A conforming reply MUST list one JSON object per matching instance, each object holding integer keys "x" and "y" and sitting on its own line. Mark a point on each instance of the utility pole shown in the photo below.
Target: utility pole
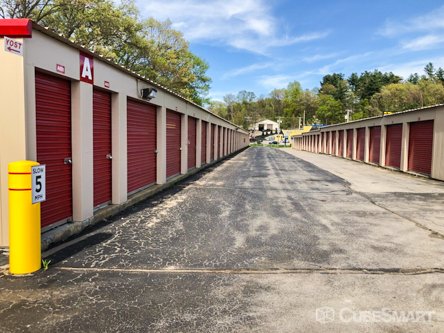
{"x": 303, "y": 123}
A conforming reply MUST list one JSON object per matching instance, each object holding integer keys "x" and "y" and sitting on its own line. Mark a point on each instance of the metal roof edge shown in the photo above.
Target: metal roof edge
{"x": 51, "y": 33}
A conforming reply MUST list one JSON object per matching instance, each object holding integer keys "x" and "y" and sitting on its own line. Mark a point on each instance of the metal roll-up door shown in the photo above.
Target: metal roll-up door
{"x": 393, "y": 146}
{"x": 142, "y": 145}
{"x": 341, "y": 143}
{"x": 333, "y": 143}
{"x": 360, "y": 144}
{"x": 327, "y": 142}
{"x": 53, "y": 126}
{"x": 192, "y": 142}
{"x": 213, "y": 133}
{"x": 375, "y": 144}
{"x": 102, "y": 147}
{"x": 218, "y": 143}
{"x": 173, "y": 143}
{"x": 349, "y": 143}
{"x": 421, "y": 147}
{"x": 224, "y": 138}
{"x": 203, "y": 152}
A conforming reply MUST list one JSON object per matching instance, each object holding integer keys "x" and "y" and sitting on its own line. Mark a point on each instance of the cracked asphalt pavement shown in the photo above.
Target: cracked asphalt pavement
{"x": 270, "y": 240}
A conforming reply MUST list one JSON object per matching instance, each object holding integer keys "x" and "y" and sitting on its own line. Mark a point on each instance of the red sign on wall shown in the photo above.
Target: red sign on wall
{"x": 86, "y": 68}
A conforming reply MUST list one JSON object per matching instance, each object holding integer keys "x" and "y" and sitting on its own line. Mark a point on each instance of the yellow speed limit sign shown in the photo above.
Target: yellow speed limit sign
{"x": 38, "y": 173}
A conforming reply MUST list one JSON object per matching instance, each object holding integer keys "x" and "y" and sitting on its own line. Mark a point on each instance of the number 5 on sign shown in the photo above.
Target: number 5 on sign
{"x": 38, "y": 183}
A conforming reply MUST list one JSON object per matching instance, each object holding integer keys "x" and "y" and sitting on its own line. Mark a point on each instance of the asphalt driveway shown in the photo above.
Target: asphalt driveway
{"x": 266, "y": 241}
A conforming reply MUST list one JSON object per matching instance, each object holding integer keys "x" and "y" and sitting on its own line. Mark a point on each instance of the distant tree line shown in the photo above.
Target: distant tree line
{"x": 364, "y": 95}
{"x": 148, "y": 47}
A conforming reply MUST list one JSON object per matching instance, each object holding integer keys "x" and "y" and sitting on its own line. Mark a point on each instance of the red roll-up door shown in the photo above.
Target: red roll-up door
{"x": 375, "y": 144}
{"x": 341, "y": 143}
{"x": 349, "y": 143}
{"x": 218, "y": 143}
{"x": 327, "y": 142}
{"x": 142, "y": 145}
{"x": 173, "y": 143}
{"x": 102, "y": 147}
{"x": 421, "y": 147}
{"x": 393, "y": 146}
{"x": 191, "y": 142}
{"x": 212, "y": 143}
{"x": 224, "y": 144}
{"x": 53, "y": 125}
{"x": 360, "y": 144}
{"x": 333, "y": 143}
{"x": 203, "y": 152}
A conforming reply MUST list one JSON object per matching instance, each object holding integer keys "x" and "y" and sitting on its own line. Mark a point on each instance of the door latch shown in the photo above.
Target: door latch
{"x": 109, "y": 156}
{"x": 67, "y": 160}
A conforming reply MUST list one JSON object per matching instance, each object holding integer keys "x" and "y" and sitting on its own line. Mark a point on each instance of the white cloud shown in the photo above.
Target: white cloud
{"x": 247, "y": 69}
{"x": 431, "y": 21}
{"x": 320, "y": 57}
{"x": 245, "y": 24}
{"x": 347, "y": 62}
{"x": 275, "y": 81}
{"x": 410, "y": 67}
{"x": 423, "y": 43}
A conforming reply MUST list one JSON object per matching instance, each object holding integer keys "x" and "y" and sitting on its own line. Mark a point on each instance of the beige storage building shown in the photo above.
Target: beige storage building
{"x": 410, "y": 141}
{"x": 106, "y": 135}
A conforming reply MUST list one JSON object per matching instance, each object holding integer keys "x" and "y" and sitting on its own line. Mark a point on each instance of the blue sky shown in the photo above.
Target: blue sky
{"x": 258, "y": 45}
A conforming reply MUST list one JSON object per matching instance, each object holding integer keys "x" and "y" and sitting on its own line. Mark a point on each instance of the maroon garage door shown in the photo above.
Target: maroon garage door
{"x": 333, "y": 143}
{"x": 191, "y": 142}
{"x": 142, "y": 145}
{"x": 349, "y": 143}
{"x": 224, "y": 138}
{"x": 421, "y": 147}
{"x": 341, "y": 143}
{"x": 360, "y": 144}
{"x": 203, "y": 152}
{"x": 213, "y": 142}
{"x": 327, "y": 143}
{"x": 218, "y": 143}
{"x": 102, "y": 147}
{"x": 375, "y": 144}
{"x": 53, "y": 123}
{"x": 393, "y": 146}
{"x": 173, "y": 143}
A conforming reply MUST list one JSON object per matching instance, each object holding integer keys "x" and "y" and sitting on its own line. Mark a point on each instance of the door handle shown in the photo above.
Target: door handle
{"x": 67, "y": 160}
{"x": 109, "y": 156}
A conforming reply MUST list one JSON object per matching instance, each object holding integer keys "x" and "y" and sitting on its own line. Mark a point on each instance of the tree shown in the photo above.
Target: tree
{"x": 290, "y": 102}
{"x": 149, "y": 48}
{"x": 429, "y": 70}
{"x": 34, "y": 9}
{"x": 330, "y": 110}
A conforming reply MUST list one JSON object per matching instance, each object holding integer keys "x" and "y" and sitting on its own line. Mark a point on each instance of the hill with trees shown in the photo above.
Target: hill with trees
{"x": 362, "y": 95}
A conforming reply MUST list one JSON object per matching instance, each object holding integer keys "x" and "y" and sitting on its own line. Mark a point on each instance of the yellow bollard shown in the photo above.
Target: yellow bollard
{"x": 24, "y": 220}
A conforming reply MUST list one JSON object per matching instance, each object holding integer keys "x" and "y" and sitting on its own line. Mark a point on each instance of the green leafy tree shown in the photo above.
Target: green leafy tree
{"x": 330, "y": 111}
{"x": 150, "y": 48}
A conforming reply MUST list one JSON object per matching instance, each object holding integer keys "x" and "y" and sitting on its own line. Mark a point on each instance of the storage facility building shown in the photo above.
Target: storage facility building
{"x": 410, "y": 141}
{"x": 103, "y": 133}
